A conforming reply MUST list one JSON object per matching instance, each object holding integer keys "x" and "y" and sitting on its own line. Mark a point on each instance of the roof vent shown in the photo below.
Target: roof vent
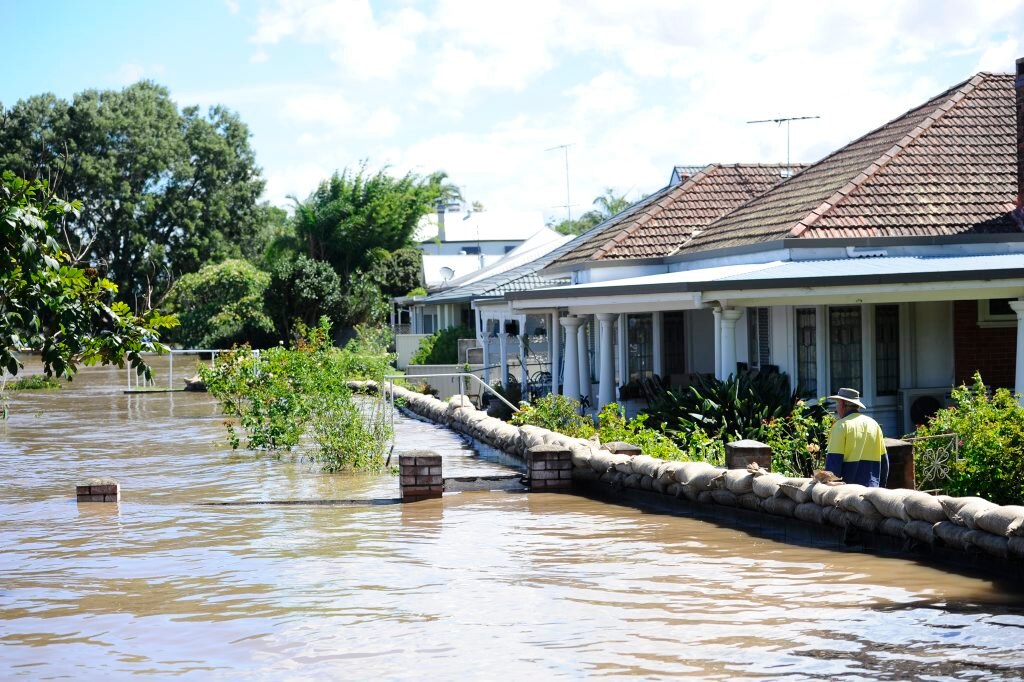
{"x": 854, "y": 252}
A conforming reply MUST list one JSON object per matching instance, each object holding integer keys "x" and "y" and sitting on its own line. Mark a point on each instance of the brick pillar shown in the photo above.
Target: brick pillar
{"x": 620, "y": 448}
{"x": 98, "y": 490}
{"x": 419, "y": 475}
{"x": 901, "y": 464}
{"x": 743, "y": 452}
{"x": 549, "y": 468}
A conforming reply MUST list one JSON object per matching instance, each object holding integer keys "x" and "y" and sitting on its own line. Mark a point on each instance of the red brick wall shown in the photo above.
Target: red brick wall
{"x": 990, "y": 350}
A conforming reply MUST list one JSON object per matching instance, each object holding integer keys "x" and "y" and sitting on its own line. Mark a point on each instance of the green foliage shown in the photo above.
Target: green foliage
{"x": 33, "y": 383}
{"x": 613, "y": 426}
{"x": 281, "y": 394}
{"x": 606, "y": 206}
{"x": 799, "y": 440}
{"x": 67, "y": 313}
{"x": 221, "y": 306}
{"x": 418, "y": 291}
{"x": 555, "y": 413}
{"x": 303, "y": 290}
{"x": 441, "y": 347}
{"x": 163, "y": 191}
{"x": 989, "y": 430}
{"x": 739, "y": 407}
{"x": 397, "y": 272}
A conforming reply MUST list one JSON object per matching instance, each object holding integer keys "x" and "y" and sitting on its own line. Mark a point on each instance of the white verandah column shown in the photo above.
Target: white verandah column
{"x": 658, "y": 344}
{"x": 503, "y": 349}
{"x": 729, "y": 318}
{"x": 572, "y": 378}
{"x": 1018, "y": 383}
{"x": 606, "y": 390}
{"x": 553, "y": 350}
{"x": 717, "y": 312}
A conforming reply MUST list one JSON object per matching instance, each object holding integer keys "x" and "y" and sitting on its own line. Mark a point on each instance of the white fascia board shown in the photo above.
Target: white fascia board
{"x": 622, "y": 303}
{"x": 877, "y": 293}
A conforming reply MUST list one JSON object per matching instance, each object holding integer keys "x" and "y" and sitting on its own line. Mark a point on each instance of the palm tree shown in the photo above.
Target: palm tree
{"x": 610, "y": 203}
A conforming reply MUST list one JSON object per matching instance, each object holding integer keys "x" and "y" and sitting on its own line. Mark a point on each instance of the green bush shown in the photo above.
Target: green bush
{"x": 441, "y": 347}
{"x": 799, "y": 440}
{"x": 739, "y": 407}
{"x": 513, "y": 393}
{"x": 613, "y": 426}
{"x": 32, "y": 383}
{"x": 556, "y": 413}
{"x": 221, "y": 306}
{"x": 988, "y": 439}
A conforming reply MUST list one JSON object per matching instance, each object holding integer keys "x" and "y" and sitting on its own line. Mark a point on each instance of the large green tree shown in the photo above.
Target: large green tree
{"x": 68, "y": 314}
{"x": 606, "y": 205}
{"x": 163, "y": 191}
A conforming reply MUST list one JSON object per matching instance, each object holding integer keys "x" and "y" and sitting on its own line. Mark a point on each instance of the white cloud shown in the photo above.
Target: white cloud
{"x": 129, "y": 73}
{"x": 233, "y": 6}
{"x": 259, "y": 57}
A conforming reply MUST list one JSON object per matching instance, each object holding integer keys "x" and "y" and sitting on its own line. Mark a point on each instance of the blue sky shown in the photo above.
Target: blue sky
{"x": 482, "y": 89}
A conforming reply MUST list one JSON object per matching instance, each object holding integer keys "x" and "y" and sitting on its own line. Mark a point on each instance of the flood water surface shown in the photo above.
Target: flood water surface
{"x": 476, "y": 585}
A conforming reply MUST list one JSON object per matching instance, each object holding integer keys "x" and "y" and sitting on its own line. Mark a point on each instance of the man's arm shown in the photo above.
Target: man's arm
{"x": 883, "y": 475}
{"x": 834, "y": 453}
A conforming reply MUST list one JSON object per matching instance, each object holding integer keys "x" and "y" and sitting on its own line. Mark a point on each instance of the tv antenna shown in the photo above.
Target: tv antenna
{"x": 787, "y": 120}
{"x": 568, "y": 202}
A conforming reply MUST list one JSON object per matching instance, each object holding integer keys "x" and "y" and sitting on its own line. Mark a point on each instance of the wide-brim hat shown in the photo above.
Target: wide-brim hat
{"x": 850, "y": 395}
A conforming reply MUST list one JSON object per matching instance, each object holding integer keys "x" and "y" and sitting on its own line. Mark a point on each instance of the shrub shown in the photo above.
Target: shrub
{"x": 302, "y": 289}
{"x": 613, "y": 426}
{"x": 799, "y": 440}
{"x": 441, "y": 347}
{"x": 556, "y": 413}
{"x": 513, "y": 394}
{"x": 32, "y": 383}
{"x": 221, "y": 306}
{"x": 736, "y": 408}
{"x": 989, "y": 433}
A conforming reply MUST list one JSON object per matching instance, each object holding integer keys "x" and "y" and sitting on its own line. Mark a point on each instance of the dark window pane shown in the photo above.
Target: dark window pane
{"x": 845, "y": 347}
{"x": 640, "y": 335}
{"x": 806, "y": 352}
{"x": 887, "y": 349}
{"x": 999, "y": 306}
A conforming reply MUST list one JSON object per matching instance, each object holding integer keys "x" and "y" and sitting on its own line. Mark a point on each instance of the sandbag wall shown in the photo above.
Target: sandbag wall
{"x": 968, "y": 524}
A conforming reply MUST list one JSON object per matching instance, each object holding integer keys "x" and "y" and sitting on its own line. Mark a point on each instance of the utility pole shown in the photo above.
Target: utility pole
{"x": 565, "y": 150}
{"x": 787, "y": 120}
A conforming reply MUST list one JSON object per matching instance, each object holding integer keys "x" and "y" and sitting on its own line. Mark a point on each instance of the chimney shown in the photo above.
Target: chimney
{"x": 441, "y": 208}
{"x": 1019, "y": 88}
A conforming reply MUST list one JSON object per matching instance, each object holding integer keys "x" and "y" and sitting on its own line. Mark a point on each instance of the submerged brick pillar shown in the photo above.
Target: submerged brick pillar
{"x": 741, "y": 453}
{"x": 901, "y": 464}
{"x": 98, "y": 490}
{"x": 549, "y": 468}
{"x": 419, "y": 475}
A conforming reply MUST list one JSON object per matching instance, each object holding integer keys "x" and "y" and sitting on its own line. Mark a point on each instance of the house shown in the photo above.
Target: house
{"x": 894, "y": 265}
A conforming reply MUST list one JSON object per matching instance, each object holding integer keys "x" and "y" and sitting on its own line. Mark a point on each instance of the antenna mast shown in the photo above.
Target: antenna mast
{"x": 787, "y": 120}
{"x": 565, "y": 150}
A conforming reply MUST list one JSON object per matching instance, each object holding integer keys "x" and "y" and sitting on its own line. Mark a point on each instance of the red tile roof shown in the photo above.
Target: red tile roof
{"x": 656, "y": 225}
{"x": 947, "y": 167}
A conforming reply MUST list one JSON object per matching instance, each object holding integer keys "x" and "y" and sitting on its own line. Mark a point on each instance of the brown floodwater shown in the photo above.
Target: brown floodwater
{"x": 476, "y": 585}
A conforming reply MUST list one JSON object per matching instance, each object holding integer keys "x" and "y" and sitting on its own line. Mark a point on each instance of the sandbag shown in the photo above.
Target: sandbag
{"x": 767, "y": 485}
{"x": 855, "y": 503}
{"x": 824, "y": 494}
{"x": 836, "y": 517}
{"x": 892, "y": 527}
{"x": 866, "y": 523}
{"x": 923, "y": 507}
{"x": 705, "y": 479}
{"x": 964, "y": 510}
{"x": 953, "y": 535}
{"x": 888, "y": 503}
{"x": 674, "y": 490}
{"x": 580, "y": 456}
{"x": 994, "y": 545}
{"x": 632, "y": 481}
{"x": 645, "y": 465}
{"x": 585, "y": 474}
{"x": 922, "y": 531}
{"x": 1003, "y": 521}
{"x": 623, "y": 463}
{"x": 749, "y": 501}
{"x": 646, "y": 482}
{"x": 778, "y": 506}
{"x": 1015, "y": 544}
{"x": 797, "y": 489}
{"x": 601, "y": 460}
{"x": 687, "y": 471}
{"x": 738, "y": 481}
{"x": 704, "y": 497}
{"x": 809, "y": 512}
{"x": 724, "y": 497}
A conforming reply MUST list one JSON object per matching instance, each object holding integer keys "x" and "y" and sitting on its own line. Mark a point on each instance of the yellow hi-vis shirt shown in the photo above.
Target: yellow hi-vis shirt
{"x": 857, "y": 437}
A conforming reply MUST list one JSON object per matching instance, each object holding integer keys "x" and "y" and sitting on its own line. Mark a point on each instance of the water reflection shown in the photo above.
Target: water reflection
{"x": 475, "y": 585}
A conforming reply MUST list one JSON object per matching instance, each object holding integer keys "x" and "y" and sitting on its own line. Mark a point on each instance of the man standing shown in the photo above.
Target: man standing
{"x": 856, "y": 448}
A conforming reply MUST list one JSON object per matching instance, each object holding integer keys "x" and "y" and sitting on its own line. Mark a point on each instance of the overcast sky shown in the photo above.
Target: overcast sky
{"x": 482, "y": 89}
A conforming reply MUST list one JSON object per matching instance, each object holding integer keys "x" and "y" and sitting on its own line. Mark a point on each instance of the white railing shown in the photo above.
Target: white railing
{"x": 170, "y": 373}
{"x": 462, "y": 388}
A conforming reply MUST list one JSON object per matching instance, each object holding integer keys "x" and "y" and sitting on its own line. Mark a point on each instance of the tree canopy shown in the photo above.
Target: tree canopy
{"x": 162, "y": 191}
{"x": 606, "y": 205}
{"x": 67, "y": 313}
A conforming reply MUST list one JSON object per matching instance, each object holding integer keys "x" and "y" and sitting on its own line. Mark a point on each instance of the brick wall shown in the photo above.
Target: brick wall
{"x": 990, "y": 350}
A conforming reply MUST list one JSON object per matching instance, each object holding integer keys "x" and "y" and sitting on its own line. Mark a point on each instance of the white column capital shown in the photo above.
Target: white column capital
{"x": 1018, "y": 307}
{"x": 730, "y": 315}
{"x": 570, "y": 322}
{"x": 607, "y": 317}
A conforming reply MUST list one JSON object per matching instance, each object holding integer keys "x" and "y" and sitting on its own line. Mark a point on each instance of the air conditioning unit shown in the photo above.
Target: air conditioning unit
{"x": 917, "y": 404}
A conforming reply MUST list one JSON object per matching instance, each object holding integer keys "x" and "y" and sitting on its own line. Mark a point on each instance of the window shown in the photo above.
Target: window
{"x": 996, "y": 312}
{"x": 758, "y": 337}
{"x": 640, "y": 342}
{"x": 509, "y": 247}
{"x": 887, "y": 349}
{"x": 471, "y": 250}
{"x": 807, "y": 352}
{"x": 844, "y": 347}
